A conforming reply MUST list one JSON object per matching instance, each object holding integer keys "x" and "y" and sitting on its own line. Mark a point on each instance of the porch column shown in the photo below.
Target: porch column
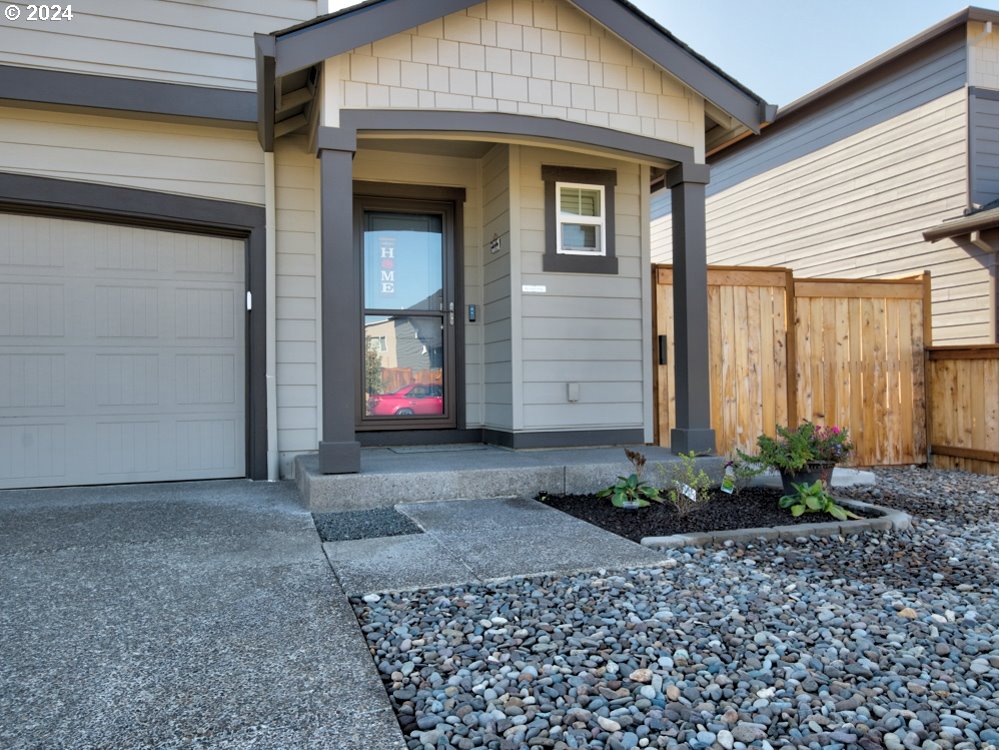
{"x": 693, "y": 430}
{"x": 339, "y": 452}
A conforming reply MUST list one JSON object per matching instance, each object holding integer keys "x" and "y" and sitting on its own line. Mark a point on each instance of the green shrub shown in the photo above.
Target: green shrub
{"x": 793, "y": 449}
{"x": 686, "y": 484}
{"x": 632, "y": 491}
{"x": 812, "y": 498}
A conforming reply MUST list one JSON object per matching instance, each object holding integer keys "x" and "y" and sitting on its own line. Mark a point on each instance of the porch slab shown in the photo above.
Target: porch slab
{"x": 388, "y": 477}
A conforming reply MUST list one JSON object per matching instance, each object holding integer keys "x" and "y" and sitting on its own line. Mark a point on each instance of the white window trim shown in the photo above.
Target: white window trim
{"x": 599, "y": 221}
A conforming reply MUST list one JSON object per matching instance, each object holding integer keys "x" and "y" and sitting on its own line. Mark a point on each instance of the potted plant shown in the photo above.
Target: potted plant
{"x": 803, "y": 455}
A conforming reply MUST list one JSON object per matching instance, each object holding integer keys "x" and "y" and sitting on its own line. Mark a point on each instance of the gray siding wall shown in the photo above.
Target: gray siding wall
{"x": 585, "y": 328}
{"x": 296, "y": 307}
{"x": 497, "y": 355}
{"x": 983, "y": 161}
{"x": 923, "y": 78}
{"x": 848, "y": 189}
{"x": 201, "y": 42}
{"x": 203, "y": 161}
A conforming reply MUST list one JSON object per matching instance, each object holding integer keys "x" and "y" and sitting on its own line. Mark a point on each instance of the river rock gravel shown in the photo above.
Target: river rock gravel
{"x": 876, "y": 640}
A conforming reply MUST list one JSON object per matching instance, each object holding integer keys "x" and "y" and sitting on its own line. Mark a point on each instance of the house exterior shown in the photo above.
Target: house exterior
{"x": 884, "y": 172}
{"x": 231, "y": 232}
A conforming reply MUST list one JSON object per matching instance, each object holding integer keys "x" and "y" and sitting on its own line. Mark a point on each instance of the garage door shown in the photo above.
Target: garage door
{"x": 122, "y": 355}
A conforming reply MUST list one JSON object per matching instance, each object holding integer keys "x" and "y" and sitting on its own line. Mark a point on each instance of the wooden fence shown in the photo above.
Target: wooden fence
{"x": 833, "y": 351}
{"x": 962, "y": 395}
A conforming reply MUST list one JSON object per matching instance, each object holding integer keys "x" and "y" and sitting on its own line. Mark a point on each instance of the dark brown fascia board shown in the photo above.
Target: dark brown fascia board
{"x": 331, "y": 35}
{"x": 639, "y": 31}
{"x": 264, "y": 52}
{"x": 125, "y": 94}
{"x": 939, "y": 29}
{"x": 312, "y": 42}
{"x": 966, "y": 225}
{"x": 344, "y": 138}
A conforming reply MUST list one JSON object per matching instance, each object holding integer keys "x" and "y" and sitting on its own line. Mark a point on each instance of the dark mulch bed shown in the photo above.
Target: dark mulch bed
{"x": 754, "y": 507}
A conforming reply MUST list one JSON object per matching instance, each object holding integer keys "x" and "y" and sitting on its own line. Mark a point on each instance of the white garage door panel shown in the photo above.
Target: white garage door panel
{"x": 121, "y": 354}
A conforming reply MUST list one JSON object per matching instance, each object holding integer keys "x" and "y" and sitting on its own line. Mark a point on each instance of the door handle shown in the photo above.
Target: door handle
{"x": 451, "y": 313}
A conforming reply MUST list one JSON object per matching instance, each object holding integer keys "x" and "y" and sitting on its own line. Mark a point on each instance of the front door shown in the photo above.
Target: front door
{"x": 408, "y": 315}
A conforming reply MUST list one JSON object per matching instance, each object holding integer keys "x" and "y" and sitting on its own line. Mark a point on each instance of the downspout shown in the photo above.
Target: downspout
{"x": 270, "y": 336}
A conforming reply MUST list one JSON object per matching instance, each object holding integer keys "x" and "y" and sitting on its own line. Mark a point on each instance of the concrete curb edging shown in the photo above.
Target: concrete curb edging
{"x": 889, "y": 519}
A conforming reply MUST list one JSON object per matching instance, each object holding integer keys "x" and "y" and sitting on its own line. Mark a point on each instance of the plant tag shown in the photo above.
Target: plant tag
{"x": 688, "y": 491}
{"x": 729, "y": 481}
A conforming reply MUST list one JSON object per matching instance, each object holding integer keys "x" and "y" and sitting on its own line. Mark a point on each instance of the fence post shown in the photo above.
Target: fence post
{"x": 791, "y": 350}
{"x": 928, "y": 369}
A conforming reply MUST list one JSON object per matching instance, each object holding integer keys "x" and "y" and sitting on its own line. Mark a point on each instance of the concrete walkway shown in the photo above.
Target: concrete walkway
{"x": 206, "y": 615}
{"x": 479, "y": 540}
{"x": 178, "y": 615}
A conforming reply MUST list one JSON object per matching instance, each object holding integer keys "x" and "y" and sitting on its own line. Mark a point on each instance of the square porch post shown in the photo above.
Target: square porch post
{"x": 693, "y": 429}
{"x": 339, "y": 451}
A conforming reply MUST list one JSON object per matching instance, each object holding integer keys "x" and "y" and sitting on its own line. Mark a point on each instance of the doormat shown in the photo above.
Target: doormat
{"x": 363, "y": 524}
{"x": 438, "y": 448}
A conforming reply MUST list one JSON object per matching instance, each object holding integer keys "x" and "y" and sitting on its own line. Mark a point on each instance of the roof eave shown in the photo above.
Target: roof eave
{"x": 960, "y": 18}
{"x": 977, "y": 222}
{"x": 310, "y": 43}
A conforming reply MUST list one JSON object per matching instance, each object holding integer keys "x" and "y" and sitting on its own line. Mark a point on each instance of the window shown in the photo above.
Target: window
{"x": 579, "y": 220}
{"x": 580, "y": 230}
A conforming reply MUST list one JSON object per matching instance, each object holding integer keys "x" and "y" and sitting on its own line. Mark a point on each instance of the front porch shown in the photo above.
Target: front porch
{"x": 401, "y": 474}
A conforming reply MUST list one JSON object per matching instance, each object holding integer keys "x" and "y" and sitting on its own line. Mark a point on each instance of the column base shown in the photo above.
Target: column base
{"x": 684, "y": 440}
{"x": 340, "y": 458}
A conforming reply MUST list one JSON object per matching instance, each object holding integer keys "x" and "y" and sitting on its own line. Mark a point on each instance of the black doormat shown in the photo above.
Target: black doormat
{"x": 363, "y": 524}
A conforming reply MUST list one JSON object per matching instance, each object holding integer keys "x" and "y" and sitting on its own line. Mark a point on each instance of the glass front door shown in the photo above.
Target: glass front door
{"x": 408, "y": 320}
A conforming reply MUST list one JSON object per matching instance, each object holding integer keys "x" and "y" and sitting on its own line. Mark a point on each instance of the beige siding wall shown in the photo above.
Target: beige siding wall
{"x": 201, "y": 42}
{"x": 857, "y": 208}
{"x": 296, "y": 306}
{"x": 984, "y": 61}
{"x": 195, "y": 160}
{"x": 532, "y": 57}
{"x": 496, "y": 320}
{"x": 419, "y": 169}
{"x": 586, "y": 328}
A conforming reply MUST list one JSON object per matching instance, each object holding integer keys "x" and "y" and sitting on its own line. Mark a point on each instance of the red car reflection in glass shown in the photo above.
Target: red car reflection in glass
{"x": 409, "y": 400}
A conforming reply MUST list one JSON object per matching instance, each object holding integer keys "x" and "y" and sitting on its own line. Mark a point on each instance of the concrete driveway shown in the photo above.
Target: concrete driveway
{"x": 178, "y": 615}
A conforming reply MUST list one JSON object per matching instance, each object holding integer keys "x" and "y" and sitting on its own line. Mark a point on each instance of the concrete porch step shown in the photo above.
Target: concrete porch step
{"x": 411, "y": 475}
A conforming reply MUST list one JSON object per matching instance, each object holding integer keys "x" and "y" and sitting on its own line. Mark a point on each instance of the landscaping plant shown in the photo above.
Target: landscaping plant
{"x": 632, "y": 491}
{"x": 687, "y": 485}
{"x": 813, "y": 498}
{"x": 737, "y": 475}
{"x": 792, "y": 449}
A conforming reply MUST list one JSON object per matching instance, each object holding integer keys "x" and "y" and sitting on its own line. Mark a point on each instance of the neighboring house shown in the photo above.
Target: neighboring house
{"x": 205, "y": 205}
{"x": 886, "y": 171}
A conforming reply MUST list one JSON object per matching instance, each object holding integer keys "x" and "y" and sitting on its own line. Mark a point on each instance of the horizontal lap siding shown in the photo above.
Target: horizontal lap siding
{"x": 445, "y": 171}
{"x": 586, "y": 328}
{"x": 847, "y": 191}
{"x": 199, "y": 43}
{"x": 983, "y": 159}
{"x": 496, "y": 321}
{"x": 296, "y": 306}
{"x": 207, "y": 162}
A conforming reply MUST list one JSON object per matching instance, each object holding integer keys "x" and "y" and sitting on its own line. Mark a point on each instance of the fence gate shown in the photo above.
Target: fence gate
{"x": 748, "y": 310}
{"x": 833, "y": 351}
